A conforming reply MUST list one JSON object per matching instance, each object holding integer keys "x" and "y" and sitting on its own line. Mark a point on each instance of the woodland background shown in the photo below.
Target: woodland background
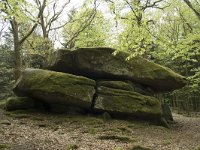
{"x": 164, "y": 31}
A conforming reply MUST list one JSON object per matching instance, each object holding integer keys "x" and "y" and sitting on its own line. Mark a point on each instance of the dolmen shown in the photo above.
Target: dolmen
{"x": 96, "y": 81}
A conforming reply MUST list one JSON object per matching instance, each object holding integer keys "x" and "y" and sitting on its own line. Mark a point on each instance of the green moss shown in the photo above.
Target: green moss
{"x": 197, "y": 147}
{"x": 15, "y": 103}
{"x": 46, "y": 79}
{"x": 116, "y": 138}
{"x": 137, "y": 69}
{"x": 116, "y": 84}
{"x": 126, "y": 101}
{"x": 4, "y": 146}
{"x": 92, "y": 131}
{"x": 56, "y": 87}
{"x": 2, "y": 104}
{"x": 72, "y": 147}
{"x": 118, "y": 148}
{"x": 138, "y": 147}
{"x": 125, "y": 129}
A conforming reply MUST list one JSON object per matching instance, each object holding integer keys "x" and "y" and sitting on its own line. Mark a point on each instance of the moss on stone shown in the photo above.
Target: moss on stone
{"x": 115, "y": 100}
{"x": 2, "y": 104}
{"x": 56, "y": 87}
{"x": 116, "y": 84}
{"x": 15, "y": 103}
{"x": 100, "y": 63}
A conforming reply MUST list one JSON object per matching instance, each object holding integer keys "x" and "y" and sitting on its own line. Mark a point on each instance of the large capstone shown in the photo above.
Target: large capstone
{"x": 100, "y": 63}
{"x": 56, "y": 88}
{"x": 128, "y": 103}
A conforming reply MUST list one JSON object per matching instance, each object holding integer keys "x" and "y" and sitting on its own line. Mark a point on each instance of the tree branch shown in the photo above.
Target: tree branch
{"x": 192, "y": 8}
{"x": 88, "y": 22}
{"x": 36, "y": 23}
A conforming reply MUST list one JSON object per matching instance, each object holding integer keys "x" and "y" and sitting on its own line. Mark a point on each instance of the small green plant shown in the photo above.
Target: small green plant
{"x": 72, "y": 147}
{"x": 138, "y": 147}
{"x": 92, "y": 131}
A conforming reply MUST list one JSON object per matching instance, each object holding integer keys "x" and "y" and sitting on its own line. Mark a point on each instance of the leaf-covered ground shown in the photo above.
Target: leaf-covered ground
{"x": 40, "y": 131}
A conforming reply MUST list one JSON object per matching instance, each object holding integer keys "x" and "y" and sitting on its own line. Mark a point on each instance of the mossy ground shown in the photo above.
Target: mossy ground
{"x": 45, "y": 131}
{"x": 138, "y": 147}
{"x": 4, "y": 146}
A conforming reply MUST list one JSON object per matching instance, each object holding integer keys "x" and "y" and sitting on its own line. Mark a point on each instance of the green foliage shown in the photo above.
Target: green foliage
{"x": 135, "y": 38}
{"x": 94, "y": 33}
{"x": 35, "y": 50}
{"x": 12, "y": 9}
{"x": 179, "y": 42}
{"x": 6, "y": 69}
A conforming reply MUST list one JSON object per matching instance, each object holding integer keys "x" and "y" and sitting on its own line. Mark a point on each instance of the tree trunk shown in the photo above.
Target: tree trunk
{"x": 17, "y": 49}
{"x": 18, "y": 60}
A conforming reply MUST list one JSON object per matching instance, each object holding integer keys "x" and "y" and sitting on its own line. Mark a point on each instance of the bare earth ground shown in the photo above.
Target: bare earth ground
{"x": 40, "y": 131}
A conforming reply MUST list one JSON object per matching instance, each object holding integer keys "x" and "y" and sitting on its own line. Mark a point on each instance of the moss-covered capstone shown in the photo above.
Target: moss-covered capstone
{"x": 100, "y": 63}
{"x": 116, "y": 101}
{"x": 56, "y": 87}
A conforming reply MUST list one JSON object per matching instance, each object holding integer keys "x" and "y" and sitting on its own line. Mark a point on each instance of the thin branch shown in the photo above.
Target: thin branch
{"x": 131, "y": 8}
{"x": 56, "y": 14}
{"x": 35, "y": 25}
{"x": 150, "y": 5}
{"x": 88, "y": 22}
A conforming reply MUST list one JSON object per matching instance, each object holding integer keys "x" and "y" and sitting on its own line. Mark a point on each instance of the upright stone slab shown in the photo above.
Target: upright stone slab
{"x": 56, "y": 88}
{"x": 100, "y": 63}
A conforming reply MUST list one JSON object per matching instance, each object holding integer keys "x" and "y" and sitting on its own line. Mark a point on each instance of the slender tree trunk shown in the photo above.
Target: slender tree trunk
{"x": 18, "y": 60}
{"x": 17, "y": 49}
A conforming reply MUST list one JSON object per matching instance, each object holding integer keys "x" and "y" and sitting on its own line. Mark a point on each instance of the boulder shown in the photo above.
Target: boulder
{"x": 100, "y": 63}
{"x": 127, "y": 103}
{"x": 56, "y": 88}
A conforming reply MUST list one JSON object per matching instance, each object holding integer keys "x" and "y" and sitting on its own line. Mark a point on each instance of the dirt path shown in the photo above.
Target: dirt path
{"x": 39, "y": 131}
